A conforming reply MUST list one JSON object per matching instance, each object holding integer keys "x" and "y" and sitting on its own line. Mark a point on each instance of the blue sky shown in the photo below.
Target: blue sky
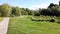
{"x": 32, "y": 4}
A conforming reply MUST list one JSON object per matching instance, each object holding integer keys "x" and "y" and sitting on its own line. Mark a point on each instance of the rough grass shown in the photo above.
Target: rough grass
{"x": 23, "y": 25}
{"x": 1, "y": 18}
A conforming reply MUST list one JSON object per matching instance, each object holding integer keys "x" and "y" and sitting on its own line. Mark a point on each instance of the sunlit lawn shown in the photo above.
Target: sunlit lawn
{"x": 23, "y": 25}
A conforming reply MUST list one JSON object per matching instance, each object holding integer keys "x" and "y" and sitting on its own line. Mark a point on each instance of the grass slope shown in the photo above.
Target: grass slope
{"x": 23, "y": 25}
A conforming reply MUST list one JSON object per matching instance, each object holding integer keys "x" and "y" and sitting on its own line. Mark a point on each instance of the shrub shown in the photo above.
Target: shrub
{"x": 34, "y": 19}
{"x": 52, "y": 20}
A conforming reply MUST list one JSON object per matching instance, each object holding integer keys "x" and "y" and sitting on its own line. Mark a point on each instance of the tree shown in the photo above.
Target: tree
{"x": 16, "y": 11}
{"x": 5, "y": 10}
{"x": 45, "y": 12}
{"x": 29, "y": 11}
{"x": 51, "y": 5}
{"x": 23, "y": 11}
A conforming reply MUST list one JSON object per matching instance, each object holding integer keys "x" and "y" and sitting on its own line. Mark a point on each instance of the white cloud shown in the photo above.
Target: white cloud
{"x": 38, "y": 6}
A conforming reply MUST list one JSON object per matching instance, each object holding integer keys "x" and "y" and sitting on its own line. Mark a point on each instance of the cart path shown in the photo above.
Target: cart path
{"x": 4, "y": 25}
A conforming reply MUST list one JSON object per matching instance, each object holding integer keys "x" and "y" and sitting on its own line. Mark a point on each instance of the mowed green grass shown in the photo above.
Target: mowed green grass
{"x": 23, "y": 25}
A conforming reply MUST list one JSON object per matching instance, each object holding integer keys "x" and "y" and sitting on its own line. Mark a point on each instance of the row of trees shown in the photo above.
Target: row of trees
{"x": 10, "y": 11}
{"x": 52, "y": 10}
{"x": 7, "y": 10}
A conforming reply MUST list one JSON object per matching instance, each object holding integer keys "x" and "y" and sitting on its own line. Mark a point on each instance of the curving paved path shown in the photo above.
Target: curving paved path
{"x": 4, "y": 25}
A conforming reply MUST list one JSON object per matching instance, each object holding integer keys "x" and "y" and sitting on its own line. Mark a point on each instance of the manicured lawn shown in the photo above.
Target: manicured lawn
{"x": 23, "y": 25}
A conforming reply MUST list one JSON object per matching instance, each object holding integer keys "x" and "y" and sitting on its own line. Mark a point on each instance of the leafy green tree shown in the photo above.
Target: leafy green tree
{"x": 51, "y": 5}
{"x": 29, "y": 11}
{"x": 16, "y": 11}
{"x": 23, "y": 11}
{"x": 5, "y": 10}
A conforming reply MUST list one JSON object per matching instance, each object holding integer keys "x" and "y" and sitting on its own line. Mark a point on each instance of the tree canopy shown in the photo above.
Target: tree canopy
{"x": 10, "y": 11}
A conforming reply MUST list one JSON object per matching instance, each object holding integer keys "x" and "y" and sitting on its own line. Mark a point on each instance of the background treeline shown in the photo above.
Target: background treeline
{"x": 11, "y": 11}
